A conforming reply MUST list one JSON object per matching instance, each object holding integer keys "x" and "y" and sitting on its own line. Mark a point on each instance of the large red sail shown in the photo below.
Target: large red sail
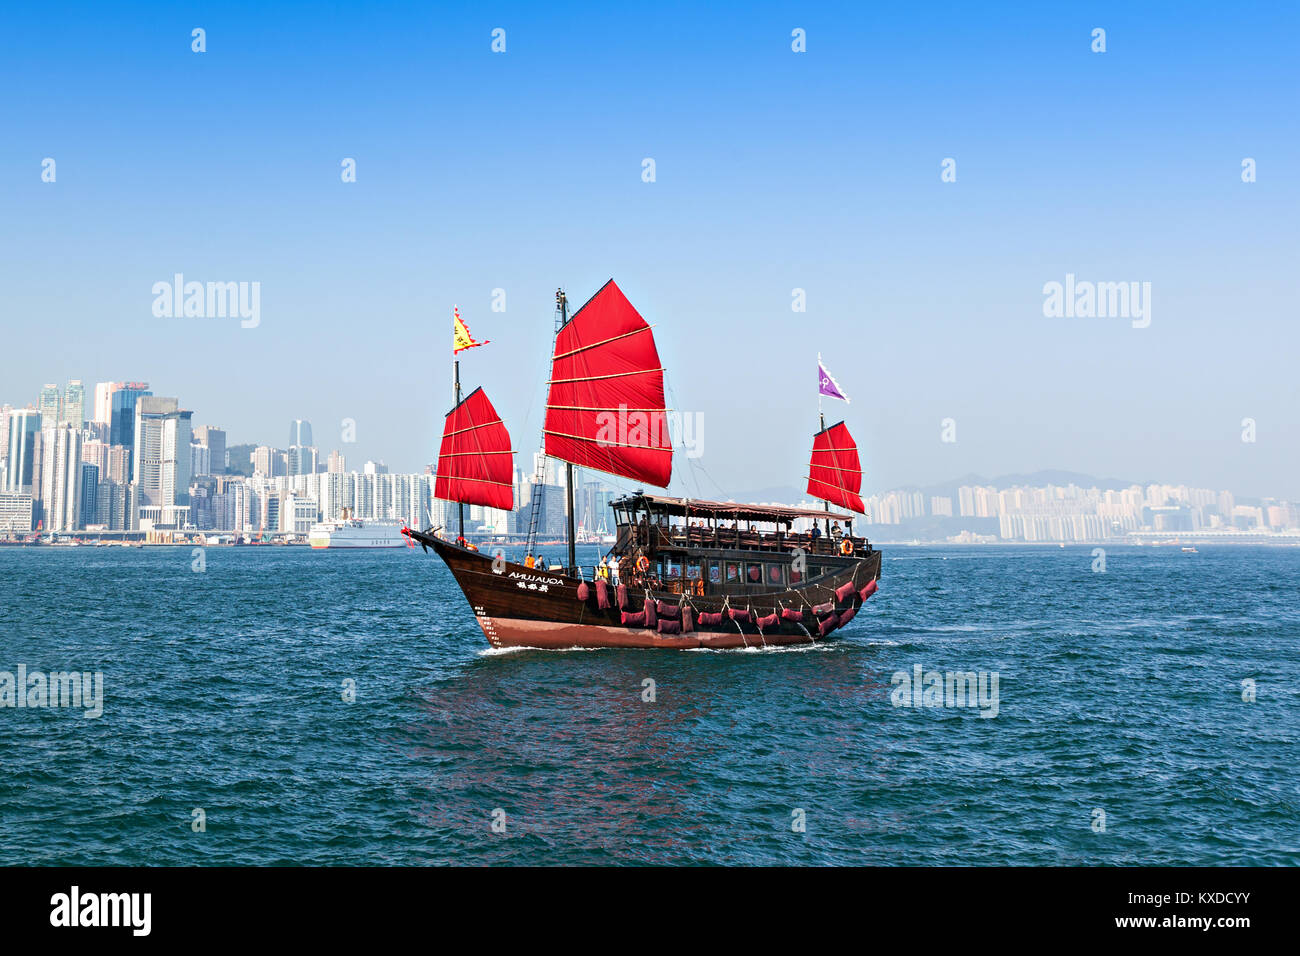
{"x": 605, "y": 406}
{"x": 475, "y": 463}
{"x": 834, "y": 472}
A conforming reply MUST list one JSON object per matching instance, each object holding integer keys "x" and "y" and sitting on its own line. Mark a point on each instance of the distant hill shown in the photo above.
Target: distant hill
{"x": 1048, "y": 476}
{"x": 789, "y": 494}
{"x": 240, "y": 460}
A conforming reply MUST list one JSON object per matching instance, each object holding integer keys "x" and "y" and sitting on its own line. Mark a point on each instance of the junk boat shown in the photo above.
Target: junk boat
{"x": 682, "y": 573}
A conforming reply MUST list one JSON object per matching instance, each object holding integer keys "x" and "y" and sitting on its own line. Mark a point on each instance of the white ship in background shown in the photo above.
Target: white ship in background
{"x": 350, "y": 532}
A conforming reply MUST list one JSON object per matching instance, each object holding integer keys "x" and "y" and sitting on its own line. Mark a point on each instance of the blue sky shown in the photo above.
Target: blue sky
{"x": 775, "y": 171}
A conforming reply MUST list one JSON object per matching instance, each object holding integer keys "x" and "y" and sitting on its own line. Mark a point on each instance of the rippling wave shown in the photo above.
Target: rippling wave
{"x": 225, "y": 690}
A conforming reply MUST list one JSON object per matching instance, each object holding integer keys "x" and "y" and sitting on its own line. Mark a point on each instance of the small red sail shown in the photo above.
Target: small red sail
{"x": 834, "y": 472}
{"x": 605, "y": 406}
{"x": 475, "y": 463}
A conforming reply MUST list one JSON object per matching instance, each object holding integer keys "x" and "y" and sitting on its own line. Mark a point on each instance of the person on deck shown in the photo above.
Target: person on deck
{"x": 816, "y": 533}
{"x": 836, "y": 533}
{"x": 602, "y": 569}
{"x": 528, "y": 561}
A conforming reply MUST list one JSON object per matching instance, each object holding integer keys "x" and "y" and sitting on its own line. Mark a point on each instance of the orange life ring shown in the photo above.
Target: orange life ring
{"x": 643, "y": 564}
{"x": 846, "y": 547}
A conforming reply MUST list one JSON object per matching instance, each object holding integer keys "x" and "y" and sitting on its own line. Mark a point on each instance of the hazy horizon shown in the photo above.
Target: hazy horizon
{"x": 775, "y": 171}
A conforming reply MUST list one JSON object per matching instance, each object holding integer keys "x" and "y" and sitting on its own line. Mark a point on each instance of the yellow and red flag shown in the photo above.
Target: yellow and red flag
{"x": 460, "y": 337}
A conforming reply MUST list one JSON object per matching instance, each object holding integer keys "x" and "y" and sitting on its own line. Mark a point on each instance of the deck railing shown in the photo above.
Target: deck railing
{"x": 659, "y": 538}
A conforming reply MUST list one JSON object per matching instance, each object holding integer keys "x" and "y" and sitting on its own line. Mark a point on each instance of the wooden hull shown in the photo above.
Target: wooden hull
{"x": 526, "y": 607}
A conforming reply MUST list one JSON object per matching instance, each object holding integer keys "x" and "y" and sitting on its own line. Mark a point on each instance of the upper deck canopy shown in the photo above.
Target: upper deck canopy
{"x": 728, "y": 510}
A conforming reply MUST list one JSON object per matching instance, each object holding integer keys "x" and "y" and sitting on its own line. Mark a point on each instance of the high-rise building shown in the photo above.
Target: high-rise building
{"x": 200, "y": 460}
{"x": 336, "y": 465}
{"x": 74, "y": 404}
{"x": 300, "y": 433}
{"x": 121, "y": 426}
{"x": 966, "y": 501}
{"x": 111, "y": 460}
{"x": 268, "y": 461}
{"x": 24, "y": 426}
{"x": 61, "y": 481}
{"x": 301, "y": 460}
{"x": 160, "y": 464}
{"x": 5, "y": 411}
{"x": 215, "y": 439}
{"x": 297, "y": 514}
{"x": 50, "y": 404}
{"x": 102, "y": 411}
{"x": 89, "y": 494}
{"x": 113, "y": 505}
{"x": 15, "y": 514}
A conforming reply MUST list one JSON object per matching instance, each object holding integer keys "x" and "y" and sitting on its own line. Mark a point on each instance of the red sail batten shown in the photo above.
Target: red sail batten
{"x": 834, "y": 471}
{"x": 475, "y": 463}
{"x": 605, "y": 402}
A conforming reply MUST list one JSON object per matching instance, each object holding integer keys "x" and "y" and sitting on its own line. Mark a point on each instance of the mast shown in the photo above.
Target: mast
{"x": 821, "y": 419}
{"x": 562, "y": 306}
{"x": 460, "y": 505}
{"x": 605, "y": 396}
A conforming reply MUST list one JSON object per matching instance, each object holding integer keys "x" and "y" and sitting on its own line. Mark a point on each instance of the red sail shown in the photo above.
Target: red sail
{"x": 475, "y": 463}
{"x": 834, "y": 472}
{"x": 605, "y": 407}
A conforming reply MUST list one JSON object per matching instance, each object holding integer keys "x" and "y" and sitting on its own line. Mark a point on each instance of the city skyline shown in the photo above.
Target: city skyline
{"x": 148, "y": 466}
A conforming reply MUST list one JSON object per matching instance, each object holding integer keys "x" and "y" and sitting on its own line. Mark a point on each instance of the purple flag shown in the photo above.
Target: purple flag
{"x": 826, "y": 384}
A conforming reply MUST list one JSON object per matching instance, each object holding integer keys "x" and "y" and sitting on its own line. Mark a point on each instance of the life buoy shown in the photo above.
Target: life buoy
{"x": 846, "y": 547}
{"x": 643, "y": 564}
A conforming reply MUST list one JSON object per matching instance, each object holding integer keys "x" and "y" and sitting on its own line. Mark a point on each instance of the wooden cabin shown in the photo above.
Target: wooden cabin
{"x": 709, "y": 548}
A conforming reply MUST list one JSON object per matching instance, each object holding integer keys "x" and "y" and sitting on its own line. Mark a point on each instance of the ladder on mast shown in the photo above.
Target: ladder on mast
{"x": 537, "y": 498}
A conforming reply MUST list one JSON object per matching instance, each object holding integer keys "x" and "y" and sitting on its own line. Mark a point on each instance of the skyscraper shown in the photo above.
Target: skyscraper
{"x": 111, "y": 460}
{"x": 24, "y": 424}
{"x": 200, "y": 460}
{"x": 302, "y": 454}
{"x": 300, "y": 433}
{"x": 161, "y": 461}
{"x": 268, "y": 461}
{"x": 61, "y": 479}
{"x": 5, "y": 410}
{"x": 89, "y": 506}
{"x": 103, "y": 408}
{"x": 215, "y": 439}
{"x": 301, "y": 460}
{"x": 50, "y": 405}
{"x": 74, "y": 404}
{"x": 121, "y": 427}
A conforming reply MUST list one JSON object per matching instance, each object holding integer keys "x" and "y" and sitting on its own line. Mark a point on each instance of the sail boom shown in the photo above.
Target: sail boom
{"x": 597, "y": 378}
{"x": 584, "y": 348}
